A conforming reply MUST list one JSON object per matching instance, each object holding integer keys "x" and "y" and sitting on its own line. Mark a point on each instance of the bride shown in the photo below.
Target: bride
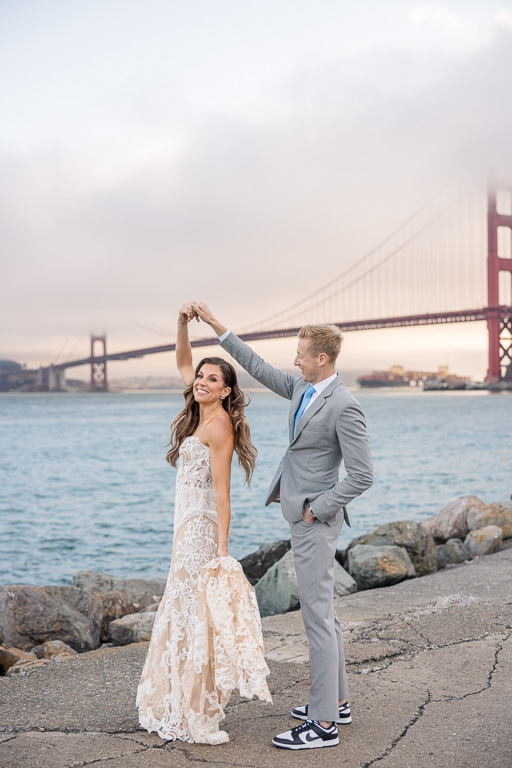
{"x": 207, "y": 637}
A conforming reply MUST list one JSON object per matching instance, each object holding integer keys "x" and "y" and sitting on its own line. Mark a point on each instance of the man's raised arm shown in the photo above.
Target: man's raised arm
{"x": 279, "y": 382}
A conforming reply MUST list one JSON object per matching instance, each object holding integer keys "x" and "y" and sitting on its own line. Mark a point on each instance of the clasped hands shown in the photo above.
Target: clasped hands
{"x": 197, "y": 310}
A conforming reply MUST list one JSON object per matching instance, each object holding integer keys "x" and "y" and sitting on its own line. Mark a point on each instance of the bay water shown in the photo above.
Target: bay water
{"x": 84, "y": 483}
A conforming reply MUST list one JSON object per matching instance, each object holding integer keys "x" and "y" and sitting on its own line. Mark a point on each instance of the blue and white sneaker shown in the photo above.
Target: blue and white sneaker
{"x": 309, "y": 735}
{"x": 344, "y": 716}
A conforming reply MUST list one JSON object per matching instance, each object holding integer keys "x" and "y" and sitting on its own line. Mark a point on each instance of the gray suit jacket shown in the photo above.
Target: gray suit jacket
{"x": 333, "y": 428}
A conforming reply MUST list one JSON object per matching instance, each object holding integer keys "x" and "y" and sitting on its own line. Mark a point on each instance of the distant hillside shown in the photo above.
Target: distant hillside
{"x": 10, "y": 365}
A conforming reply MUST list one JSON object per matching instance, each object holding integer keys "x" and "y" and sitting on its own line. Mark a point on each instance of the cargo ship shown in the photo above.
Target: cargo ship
{"x": 397, "y": 376}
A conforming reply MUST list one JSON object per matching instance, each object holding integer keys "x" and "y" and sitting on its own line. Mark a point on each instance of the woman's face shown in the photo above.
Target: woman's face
{"x": 209, "y": 385}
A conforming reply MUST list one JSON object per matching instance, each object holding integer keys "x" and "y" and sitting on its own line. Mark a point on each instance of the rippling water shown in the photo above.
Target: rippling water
{"x": 85, "y": 484}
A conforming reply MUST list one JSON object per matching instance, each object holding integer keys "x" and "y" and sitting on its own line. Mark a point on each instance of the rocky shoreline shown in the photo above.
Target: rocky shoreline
{"x": 40, "y": 625}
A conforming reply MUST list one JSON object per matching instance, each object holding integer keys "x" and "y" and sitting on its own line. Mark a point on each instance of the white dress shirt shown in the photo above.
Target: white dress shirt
{"x": 319, "y": 388}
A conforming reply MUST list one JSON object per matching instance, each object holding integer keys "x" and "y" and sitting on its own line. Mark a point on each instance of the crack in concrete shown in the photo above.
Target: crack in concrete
{"x": 398, "y": 739}
{"x": 104, "y": 759}
{"x": 194, "y": 758}
{"x": 429, "y": 700}
{"x": 122, "y": 737}
{"x": 11, "y": 738}
{"x": 499, "y": 648}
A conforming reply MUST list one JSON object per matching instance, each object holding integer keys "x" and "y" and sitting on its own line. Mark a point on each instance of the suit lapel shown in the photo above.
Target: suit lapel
{"x": 313, "y": 408}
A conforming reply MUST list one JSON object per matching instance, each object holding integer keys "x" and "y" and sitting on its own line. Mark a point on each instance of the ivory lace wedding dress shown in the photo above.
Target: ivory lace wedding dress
{"x": 207, "y": 637}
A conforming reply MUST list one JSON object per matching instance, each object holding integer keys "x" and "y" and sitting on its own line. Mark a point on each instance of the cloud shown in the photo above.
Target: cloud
{"x": 249, "y": 214}
{"x": 434, "y": 14}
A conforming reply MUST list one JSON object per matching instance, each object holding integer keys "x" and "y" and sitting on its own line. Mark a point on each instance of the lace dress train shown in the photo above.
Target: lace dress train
{"x": 207, "y": 637}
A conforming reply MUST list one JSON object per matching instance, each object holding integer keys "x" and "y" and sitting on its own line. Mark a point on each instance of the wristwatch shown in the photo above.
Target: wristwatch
{"x": 311, "y": 513}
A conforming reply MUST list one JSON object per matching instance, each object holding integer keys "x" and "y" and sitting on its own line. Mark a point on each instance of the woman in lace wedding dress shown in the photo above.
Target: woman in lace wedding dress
{"x": 207, "y": 637}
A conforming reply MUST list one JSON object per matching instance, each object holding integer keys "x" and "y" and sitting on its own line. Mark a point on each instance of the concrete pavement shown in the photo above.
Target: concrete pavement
{"x": 430, "y": 672}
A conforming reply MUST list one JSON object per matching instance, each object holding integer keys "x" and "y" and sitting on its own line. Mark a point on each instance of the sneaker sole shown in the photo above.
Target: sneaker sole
{"x": 345, "y": 721}
{"x": 306, "y": 746}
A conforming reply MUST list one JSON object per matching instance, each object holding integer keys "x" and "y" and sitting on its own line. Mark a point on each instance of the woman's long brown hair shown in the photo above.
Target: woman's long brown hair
{"x": 186, "y": 422}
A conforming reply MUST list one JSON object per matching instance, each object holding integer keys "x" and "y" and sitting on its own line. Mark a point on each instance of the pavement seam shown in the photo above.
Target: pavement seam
{"x": 499, "y": 648}
{"x": 398, "y": 739}
{"x": 429, "y": 700}
{"x": 104, "y": 759}
{"x": 193, "y": 758}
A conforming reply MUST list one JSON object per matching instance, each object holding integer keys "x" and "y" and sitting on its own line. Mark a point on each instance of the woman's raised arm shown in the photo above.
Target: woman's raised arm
{"x": 183, "y": 348}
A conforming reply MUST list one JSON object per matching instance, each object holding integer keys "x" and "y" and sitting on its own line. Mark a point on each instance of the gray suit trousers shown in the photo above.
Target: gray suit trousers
{"x": 314, "y": 547}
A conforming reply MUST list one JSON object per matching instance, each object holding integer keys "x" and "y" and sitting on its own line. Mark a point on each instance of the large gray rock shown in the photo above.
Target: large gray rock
{"x": 373, "y": 566}
{"x": 257, "y": 563}
{"x": 140, "y": 592}
{"x": 344, "y": 584}
{"x": 53, "y": 648}
{"x": 418, "y": 543}
{"x": 484, "y": 541}
{"x": 452, "y": 520}
{"x": 115, "y": 605}
{"x": 492, "y": 514}
{"x": 32, "y": 615}
{"x": 11, "y": 656}
{"x": 134, "y": 628}
{"x": 452, "y": 552}
{"x": 277, "y": 591}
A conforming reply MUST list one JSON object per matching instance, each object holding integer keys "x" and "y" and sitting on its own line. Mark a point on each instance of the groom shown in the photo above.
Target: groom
{"x": 326, "y": 425}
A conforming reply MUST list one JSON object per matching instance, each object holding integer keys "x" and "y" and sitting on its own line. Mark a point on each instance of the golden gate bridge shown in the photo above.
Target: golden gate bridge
{"x": 451, "y": 262}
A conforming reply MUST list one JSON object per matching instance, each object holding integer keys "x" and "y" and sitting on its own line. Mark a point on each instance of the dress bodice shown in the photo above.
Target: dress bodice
{"x": 194, "y": 467}
{"x": 195, "y": 492}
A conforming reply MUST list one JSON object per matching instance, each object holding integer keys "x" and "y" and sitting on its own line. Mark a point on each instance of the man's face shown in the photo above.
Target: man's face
{"x": 308, "y": 364}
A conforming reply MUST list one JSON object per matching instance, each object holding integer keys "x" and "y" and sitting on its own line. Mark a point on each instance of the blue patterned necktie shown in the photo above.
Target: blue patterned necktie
{"x": 306, "y": 397}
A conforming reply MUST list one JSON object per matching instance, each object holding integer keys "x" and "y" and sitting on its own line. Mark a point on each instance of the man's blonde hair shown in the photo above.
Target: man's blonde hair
{"x": 323, "y": 338}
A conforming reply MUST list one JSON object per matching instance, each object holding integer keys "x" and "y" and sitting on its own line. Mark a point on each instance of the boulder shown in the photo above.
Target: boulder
{"x": 484, "y": 541}
{"x": 115, "y": 606}
{"x": 373, "y": 566}
{"x": 492, "y": 514}
{"x": 277, "y": 591}
{"x": 11, "y": 656}
{"x": 140, "y": 592}
{"x": 134, "y": 628}
{"x": 53, "y": 648}
{"x": 32, "y": 615}
{"x": 153, "y": 608}
{"x": 257, "y": 563}
{"x": 453, "y": 551}
{"x": 26, "y": 666}
{"x": 451, "y": 522}
{"x": 344, "y": 584}
{"x": 418, "y": 543}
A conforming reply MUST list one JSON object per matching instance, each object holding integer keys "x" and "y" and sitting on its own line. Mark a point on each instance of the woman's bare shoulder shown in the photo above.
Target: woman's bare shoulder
{"x": 219, "y": 429}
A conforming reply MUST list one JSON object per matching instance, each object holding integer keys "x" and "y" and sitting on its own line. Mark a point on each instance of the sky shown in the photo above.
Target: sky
{"x": 243, "y": 154}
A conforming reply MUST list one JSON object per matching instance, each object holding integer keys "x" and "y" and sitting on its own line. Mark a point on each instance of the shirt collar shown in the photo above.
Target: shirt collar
{"x": 321, "y": 385}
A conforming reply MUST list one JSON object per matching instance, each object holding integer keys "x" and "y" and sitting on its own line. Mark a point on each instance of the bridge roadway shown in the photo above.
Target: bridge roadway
{"x": 462, "y": 316}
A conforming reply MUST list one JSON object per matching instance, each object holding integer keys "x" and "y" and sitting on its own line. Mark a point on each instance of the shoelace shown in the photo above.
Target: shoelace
{"x": 303, "y": 727}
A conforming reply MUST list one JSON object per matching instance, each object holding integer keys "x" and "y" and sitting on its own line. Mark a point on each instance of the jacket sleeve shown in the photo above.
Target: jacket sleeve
{"x": 279, "y": 382}
{"x": 355, "y": 448}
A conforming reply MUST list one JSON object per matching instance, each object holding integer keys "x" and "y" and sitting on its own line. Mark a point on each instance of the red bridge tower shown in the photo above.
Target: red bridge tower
{"x": 99, "y": 365}
{"x": 499, "y": 316}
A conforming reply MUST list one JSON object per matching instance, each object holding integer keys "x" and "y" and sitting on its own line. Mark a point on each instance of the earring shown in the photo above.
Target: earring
{"x": 223, "y": 398}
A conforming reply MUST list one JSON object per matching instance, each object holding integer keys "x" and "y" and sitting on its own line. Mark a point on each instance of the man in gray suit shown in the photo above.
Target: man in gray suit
{"x": 326, "y": 425}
